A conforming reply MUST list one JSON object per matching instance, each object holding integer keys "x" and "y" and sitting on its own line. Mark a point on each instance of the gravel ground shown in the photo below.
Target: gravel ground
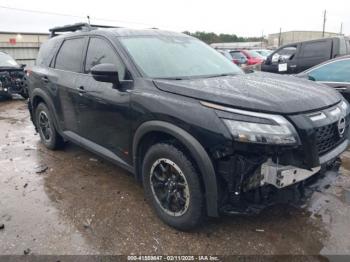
{"x": 72, "y": 202}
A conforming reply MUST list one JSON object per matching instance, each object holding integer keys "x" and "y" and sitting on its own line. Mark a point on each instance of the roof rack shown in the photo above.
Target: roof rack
{"x": 76, "y": 27}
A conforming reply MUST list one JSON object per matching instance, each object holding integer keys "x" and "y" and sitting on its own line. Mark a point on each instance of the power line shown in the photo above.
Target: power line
{"x": 71, "y": 15}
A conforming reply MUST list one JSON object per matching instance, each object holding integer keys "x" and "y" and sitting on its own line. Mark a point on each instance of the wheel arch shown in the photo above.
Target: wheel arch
{"x": 39, "y": 96}
{"x": 197, "y": 151}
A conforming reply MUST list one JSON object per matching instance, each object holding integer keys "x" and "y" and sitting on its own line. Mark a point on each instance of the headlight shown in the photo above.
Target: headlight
{"x": 344, "y": 106}
{"x": 247, "y": 126}
{"x": 261, "y": 133}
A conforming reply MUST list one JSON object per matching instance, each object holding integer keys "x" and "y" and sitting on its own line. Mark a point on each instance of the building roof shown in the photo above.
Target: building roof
{"x": 22, "y": 33}
{"x": 304, "y": 31}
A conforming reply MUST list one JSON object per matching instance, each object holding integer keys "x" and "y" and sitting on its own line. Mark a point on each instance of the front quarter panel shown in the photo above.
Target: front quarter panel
{"x": 187, "y": 113}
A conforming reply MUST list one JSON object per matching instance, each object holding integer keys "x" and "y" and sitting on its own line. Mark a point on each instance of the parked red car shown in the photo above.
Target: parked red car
{"x": 238, "y": 57}
{"x": 253, "y": 58}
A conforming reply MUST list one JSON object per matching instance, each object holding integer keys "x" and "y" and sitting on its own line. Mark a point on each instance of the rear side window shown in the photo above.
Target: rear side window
{"x": 337, "y": 71}
{"x": 342, "y": 47}
{"x": 319, "y": 49}
{"x": 47, "y": 52}
{"x": 100, "y": 52}
{"x": 69, "y": 56}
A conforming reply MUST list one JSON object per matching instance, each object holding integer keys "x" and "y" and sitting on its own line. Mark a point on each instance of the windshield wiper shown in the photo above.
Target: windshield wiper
{"x": 221, "y": 75}
{"x": 171, "y": 78}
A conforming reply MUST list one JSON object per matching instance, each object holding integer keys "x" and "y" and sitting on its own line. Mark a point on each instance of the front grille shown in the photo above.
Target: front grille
{"x": 327, "y": 138}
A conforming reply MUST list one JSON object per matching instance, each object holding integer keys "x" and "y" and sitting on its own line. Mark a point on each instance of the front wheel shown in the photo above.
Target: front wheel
{"x": 172, "y": 185}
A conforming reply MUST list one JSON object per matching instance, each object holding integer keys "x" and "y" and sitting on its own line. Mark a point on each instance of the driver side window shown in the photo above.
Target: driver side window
{"x": 337, "y": 71}
{"x": 99, "y": 52}
{"x": 286, "y": 53}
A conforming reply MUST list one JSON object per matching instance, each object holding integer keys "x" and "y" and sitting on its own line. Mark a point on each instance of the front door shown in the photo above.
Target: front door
{"x": 282, "y": 61}
{"x": 103, "y": 109}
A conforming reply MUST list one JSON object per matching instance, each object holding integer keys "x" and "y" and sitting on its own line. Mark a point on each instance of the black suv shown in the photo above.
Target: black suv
{"x": 203, "y": 137}
{"x": 297, "y": 57}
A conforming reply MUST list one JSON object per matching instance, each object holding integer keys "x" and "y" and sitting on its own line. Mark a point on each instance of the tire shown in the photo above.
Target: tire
{"x": 48, "y": 133}
{"x": 180, "y": 214}
{"x": 24, "y": 94}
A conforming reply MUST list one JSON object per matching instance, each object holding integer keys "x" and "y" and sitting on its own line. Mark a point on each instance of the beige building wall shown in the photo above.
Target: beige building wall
{"x": 296, "y": 36}
{"x": 23, "y": 47}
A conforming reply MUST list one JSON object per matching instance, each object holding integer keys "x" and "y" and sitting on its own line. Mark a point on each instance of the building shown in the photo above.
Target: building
{"x": 278, "y": 39}
{"x": 239, "y": 45}
{"x": 23, "y": 47}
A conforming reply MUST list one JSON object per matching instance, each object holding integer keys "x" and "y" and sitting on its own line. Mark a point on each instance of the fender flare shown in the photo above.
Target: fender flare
{"x": 197, "y": 151}
{"x": 48, "y": 101}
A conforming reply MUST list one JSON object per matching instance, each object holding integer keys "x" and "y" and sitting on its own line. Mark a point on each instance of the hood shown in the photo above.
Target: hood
{"x": 261, "y": 92}
{"x": 10, "y": 68}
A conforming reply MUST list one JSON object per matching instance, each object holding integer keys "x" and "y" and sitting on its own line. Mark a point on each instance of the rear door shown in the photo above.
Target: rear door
{"x": 313, "y": 53}
{"x": 66, "y": 67}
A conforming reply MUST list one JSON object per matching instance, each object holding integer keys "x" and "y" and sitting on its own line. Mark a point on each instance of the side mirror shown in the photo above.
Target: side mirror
{"x": 23, "y": 65}
{"x": 105, "y": 73}
{"x": 310, "y": 77}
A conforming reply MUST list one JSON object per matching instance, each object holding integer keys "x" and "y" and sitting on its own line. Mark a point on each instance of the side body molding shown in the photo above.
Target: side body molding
{"x": 197, "y": 151}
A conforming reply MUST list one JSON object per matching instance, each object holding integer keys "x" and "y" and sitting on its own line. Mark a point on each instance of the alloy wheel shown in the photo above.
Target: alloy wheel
{"x": 169, "y": 187}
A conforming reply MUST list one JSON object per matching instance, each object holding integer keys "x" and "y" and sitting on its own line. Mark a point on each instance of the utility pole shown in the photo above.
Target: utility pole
{"x": 324, "y": 22}
{"x": 279, "y": 37}
{"x": 262, "y": 38}
{"x": 341, "y": 28}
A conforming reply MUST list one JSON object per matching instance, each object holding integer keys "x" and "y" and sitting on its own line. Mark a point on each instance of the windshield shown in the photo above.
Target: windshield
{"x": 7, "y": 61}
{"x": 177, "y": 57}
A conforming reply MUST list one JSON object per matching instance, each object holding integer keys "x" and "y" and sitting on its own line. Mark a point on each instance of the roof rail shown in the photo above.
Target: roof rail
{"x": 76, "y": 27}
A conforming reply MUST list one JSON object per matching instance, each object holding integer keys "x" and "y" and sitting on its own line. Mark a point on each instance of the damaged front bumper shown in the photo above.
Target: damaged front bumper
{"x": 282, "y": 176}
{"x": 256, "y": 175}
{"x": 264, "y": 182}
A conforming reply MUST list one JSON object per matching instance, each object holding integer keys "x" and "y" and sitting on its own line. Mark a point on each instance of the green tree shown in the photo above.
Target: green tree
{"x": 210, "y": 37}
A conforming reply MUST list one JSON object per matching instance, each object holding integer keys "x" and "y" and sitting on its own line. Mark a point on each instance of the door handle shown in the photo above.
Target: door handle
{"x": 293, "y": 66}
{"x": 81, "y": 90}
{"x": 340, "y": 88}
{"x": 45, "y": 79}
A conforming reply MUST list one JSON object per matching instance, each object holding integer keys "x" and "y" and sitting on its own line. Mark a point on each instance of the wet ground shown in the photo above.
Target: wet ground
{"x": 72, "y": 202}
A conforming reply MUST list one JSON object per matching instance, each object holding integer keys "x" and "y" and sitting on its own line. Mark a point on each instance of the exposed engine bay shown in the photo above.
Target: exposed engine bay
{"x": 12, "y": 81}
{"x": 262, "y": 183}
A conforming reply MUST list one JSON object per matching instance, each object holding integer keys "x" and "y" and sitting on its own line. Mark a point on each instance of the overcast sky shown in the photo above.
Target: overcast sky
{"x": 244, "y": 18}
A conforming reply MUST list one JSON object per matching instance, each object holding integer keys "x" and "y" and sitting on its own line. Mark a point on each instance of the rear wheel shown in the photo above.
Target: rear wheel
{"x": 172, "y": 185}
{"x": 44, "y": 123}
